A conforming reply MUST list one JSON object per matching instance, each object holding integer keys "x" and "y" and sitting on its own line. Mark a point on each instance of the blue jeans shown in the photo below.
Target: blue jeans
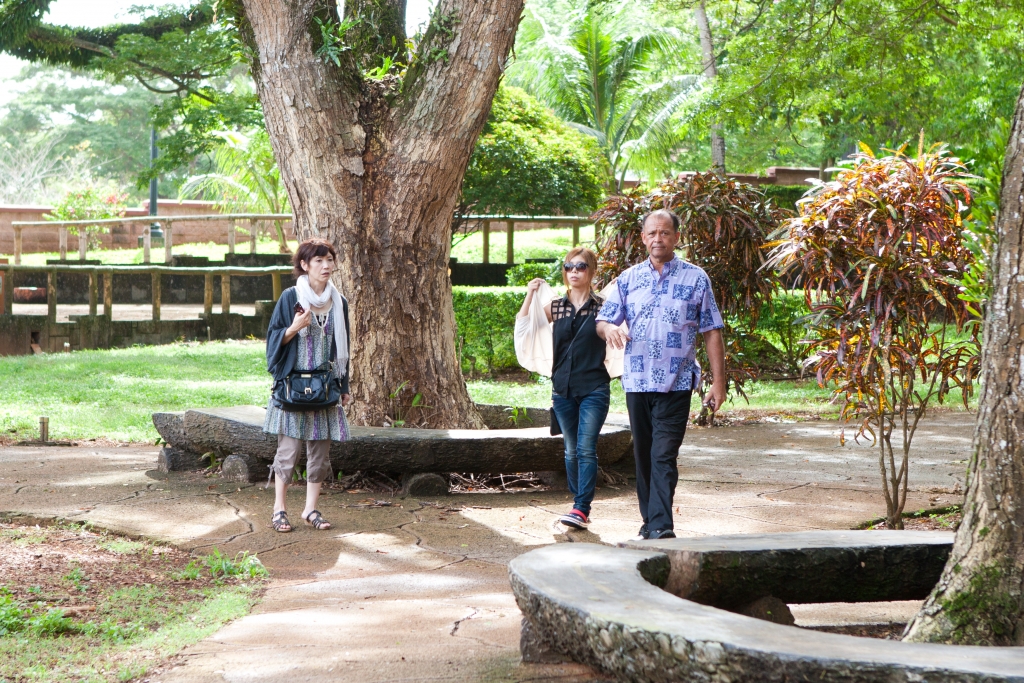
{"x": 581, "y": 419}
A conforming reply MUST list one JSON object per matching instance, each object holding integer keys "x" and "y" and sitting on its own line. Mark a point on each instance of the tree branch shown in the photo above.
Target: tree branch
{"x": 462, "y": 56}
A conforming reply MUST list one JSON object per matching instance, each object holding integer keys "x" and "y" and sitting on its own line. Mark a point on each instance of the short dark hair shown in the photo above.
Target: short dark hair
{"x": 309, "y": 250}
{"x": 662, "y": 213}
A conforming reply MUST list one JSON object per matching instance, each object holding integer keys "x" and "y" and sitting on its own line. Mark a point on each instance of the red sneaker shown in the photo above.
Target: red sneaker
{"x": 575, "y": 519}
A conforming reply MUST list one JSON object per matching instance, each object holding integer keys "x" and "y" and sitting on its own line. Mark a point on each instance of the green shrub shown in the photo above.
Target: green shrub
{"x": 520, "y": 275}
{"x": 528, "y": 161}
{"x": 12, "y": 615}
{"x": 486, "y": 318}
{"x": 51, "y": 623}
{"x": 785, "y": 196}
{"x": 89, "y": 203}
{"x": 783, "y": 322}
{"x": 243, "y": 564}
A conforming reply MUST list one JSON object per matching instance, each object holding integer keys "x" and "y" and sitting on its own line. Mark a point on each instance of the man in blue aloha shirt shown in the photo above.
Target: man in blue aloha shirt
{"x": 665, "y": 302}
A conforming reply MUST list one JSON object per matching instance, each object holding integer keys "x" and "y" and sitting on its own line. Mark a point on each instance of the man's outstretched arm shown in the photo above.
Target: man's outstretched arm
{"x": 714, "y": 342}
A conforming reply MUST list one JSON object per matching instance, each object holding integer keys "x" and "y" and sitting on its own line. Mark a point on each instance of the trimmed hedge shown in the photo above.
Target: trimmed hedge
{"x": 785, "y": 196}
{"x": 486, "y": 319}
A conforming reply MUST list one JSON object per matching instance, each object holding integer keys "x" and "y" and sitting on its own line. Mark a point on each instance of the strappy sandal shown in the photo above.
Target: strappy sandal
{"x": 316, "y": 520}
{"x": 280, "y": 522}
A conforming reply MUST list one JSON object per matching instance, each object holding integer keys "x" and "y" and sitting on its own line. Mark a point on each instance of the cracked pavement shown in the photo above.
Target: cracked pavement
{"x": 417, "y": 590}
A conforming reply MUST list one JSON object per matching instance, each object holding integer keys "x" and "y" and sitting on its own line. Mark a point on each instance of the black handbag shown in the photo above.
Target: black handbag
{"x": 308, "y": 390}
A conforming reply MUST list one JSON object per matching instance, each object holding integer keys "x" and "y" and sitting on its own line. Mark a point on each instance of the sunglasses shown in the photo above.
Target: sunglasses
{"x": 578, "y": 267}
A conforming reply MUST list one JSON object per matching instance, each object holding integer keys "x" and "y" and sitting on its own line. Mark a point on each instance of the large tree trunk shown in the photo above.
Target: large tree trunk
{"x": 980, "y": 597}
{"x": 710, "y": 70}
{"x": 375, "y": 167}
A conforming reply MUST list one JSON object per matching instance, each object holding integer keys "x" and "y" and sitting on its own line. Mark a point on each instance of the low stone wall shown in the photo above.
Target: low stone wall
{"x": 19, "y": 332}
{"x": 805, "y": 566}
{"x": 605, "y": 607}
{"x": 239, "y": 430}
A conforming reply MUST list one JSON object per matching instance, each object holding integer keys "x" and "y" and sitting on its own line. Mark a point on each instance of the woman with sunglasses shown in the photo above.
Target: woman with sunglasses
{"x": 579, "y": 380}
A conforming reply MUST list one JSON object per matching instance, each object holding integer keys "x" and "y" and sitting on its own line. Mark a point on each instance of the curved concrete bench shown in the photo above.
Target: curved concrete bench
{"x": 805, "y": 566}
{"x": 603, "y": 606}
{"x": 239, "y": 430}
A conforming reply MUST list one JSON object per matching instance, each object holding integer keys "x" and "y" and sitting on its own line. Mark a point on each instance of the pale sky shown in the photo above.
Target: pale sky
{"x": 93, "y": 13}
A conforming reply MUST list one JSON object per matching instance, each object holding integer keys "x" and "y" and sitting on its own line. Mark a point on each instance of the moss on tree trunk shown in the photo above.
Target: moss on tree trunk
{"x": 980, "y": 597}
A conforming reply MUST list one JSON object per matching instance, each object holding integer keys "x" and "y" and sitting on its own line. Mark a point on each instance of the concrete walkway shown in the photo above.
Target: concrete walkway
{"x": 417, "y": 590}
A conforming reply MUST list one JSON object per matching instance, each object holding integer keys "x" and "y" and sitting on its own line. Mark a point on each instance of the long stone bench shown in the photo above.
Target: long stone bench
{"x": 805, "y": 566}
{"x": 239, "y": 430}
{"x": 606, "y": 607}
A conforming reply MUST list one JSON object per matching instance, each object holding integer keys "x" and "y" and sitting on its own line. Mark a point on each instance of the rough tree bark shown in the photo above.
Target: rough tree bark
{"x": 375, "y": 167}
{"x": 980, "y": 597}
{"x": 710, "y": 70}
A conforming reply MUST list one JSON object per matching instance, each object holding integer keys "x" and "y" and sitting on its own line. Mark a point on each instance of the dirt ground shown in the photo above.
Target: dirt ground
{"x": 417, "y": 589}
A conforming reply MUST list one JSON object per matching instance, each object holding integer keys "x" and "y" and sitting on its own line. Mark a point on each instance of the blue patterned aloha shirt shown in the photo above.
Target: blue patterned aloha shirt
{"x": 665, "y": 313}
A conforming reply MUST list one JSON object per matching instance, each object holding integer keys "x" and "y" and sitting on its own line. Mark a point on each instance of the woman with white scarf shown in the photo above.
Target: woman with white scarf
{"x": 308, "y": 329}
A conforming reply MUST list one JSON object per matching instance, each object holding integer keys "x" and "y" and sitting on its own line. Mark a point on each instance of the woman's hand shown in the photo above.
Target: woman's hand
{"x": 531, "y": 289}
{"x": 346, "y": 399}
{"x": 612, "y": 334}
{"x": 301, "y": 321}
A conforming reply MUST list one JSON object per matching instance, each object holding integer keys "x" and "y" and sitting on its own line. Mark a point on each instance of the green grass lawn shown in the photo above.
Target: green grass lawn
{"x": 112, "y": 394}
{"x": 792, "y": 397}
{"x": 545, "y": 243}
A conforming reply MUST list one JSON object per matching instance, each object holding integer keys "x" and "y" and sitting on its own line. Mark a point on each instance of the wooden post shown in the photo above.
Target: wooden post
{"x": 168, "y": 240}
{"x": 62, "y": 240}
{"x": 252, "y": 235}
{"x": 231, "y": 236}
{"x": 225, "y": 294}
{"x": 146, "y": 242}
{"x": 575, "y": 233}
{"x": 208, "y": 296}
{"x": 275, "y": 278}
{"x": 487, "y": 241}
{"x": 156, "y": 297}
{"x": 510, "y": 227}
{"x": 83, "y": 242}
{"x": 8, "y": 292}
{"x": 51, "y": 296}
{"x": 17, "y": 246}
{"x": 93, "y": 291}
{"x": 108, "y": 295}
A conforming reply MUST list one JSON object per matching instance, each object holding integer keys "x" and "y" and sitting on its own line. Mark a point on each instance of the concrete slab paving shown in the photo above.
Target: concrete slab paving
{"x": 417, "y": 589}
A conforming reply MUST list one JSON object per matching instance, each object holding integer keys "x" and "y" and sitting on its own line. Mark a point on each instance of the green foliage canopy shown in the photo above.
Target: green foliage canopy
{"x": 529, "y": 162}
{"x": 611, "y": 74}
{"x": 184, "y": 55}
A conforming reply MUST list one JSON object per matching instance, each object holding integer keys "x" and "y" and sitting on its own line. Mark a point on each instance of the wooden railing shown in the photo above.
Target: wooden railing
{"x": 167, "y": 222}
{"x": 510, "y": 222}
{"x": 156, "y": 272}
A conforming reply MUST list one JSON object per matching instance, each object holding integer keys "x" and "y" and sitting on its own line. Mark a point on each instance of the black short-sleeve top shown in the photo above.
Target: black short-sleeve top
{"x": 578, "y": 367}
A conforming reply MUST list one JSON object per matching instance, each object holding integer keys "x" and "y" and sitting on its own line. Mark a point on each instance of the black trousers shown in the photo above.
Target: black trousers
{"x": 658, "y": 422}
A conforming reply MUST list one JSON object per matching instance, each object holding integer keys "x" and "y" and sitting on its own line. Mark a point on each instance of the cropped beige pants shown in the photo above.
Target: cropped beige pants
{"x": 318, "y": 459}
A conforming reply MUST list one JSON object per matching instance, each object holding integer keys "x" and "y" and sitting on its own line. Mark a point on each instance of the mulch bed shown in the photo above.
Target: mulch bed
{"x": 76, "y": 569}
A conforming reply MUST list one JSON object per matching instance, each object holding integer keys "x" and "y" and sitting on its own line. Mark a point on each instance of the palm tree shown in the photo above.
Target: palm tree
{"x": 246, "y": 179}
{"x": 606, "y": 78}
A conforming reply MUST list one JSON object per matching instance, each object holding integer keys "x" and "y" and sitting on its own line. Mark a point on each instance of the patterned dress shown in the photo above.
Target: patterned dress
{"x": 310, "y": 425}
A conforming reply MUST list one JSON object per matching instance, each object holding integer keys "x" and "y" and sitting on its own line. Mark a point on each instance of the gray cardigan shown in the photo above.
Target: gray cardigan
{"x": 281, "y": 357}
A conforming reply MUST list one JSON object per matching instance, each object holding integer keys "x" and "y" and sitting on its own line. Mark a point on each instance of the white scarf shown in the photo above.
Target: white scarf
{"x": 308, "y": 298}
